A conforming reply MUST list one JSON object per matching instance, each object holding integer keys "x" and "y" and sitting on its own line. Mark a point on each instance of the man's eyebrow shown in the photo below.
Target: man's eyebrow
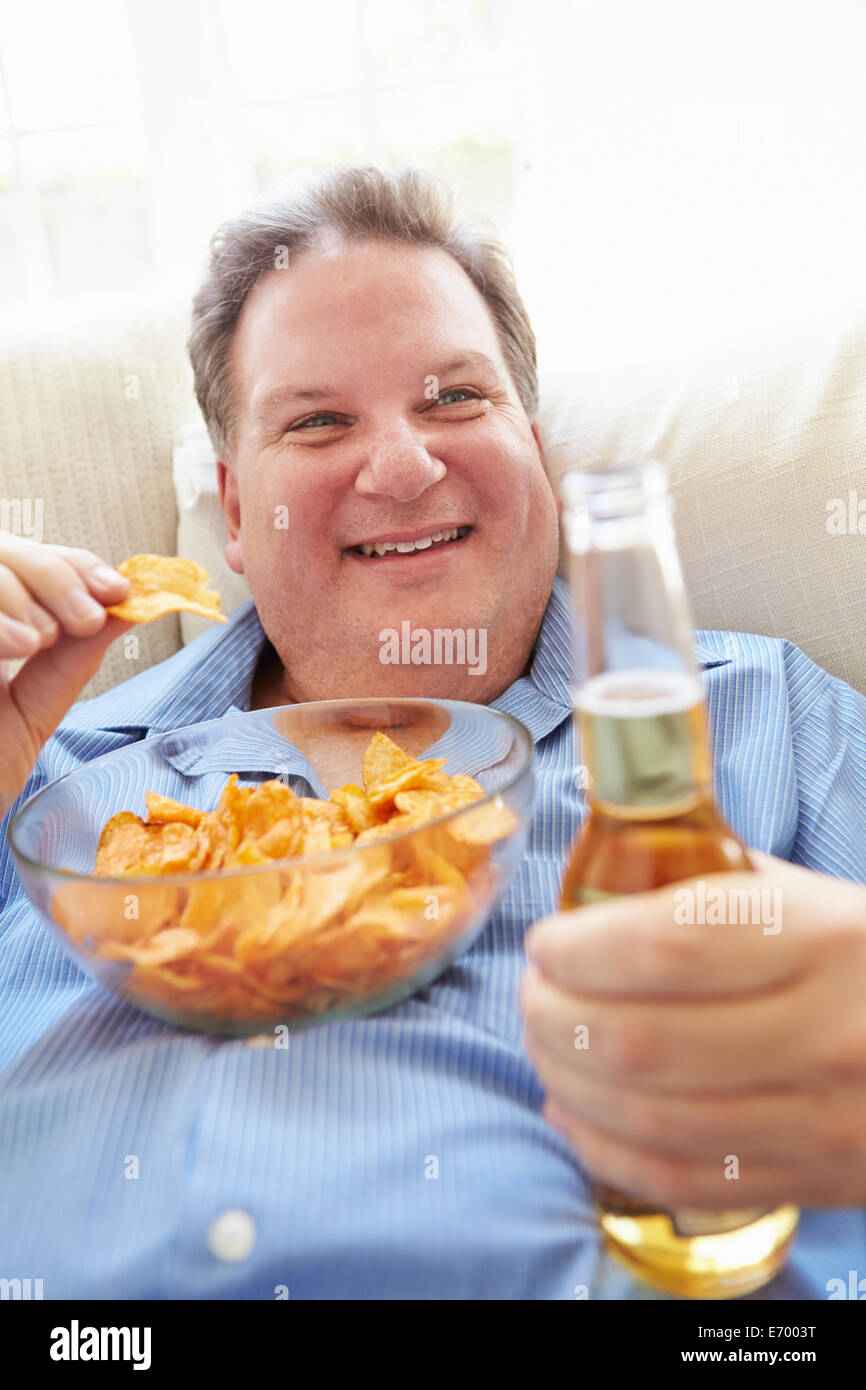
{"x": 287, "y": 395}
{"x": 467, "y": 359}
{"x": 280, "y": 396}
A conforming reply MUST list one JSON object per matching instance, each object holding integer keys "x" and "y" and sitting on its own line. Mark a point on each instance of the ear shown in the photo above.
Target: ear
{"x": 231, "y": 505}
{"x": 537, "y": 437}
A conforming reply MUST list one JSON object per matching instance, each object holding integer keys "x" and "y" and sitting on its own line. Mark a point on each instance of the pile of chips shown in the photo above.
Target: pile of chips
{"x": 295, "y": 940}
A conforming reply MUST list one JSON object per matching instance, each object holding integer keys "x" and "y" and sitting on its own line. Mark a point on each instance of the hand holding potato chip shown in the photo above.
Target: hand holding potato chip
{"x": 69, "y": 601}
{"x": 53, "y": 619}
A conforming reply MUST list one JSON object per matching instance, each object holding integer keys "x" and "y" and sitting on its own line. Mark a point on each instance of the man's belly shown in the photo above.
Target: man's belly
{"x": 400, "y": 1156}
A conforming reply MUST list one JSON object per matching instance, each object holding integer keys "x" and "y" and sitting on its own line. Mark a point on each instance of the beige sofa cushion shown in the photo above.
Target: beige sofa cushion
{"x": 758, "y": 449}
{"x": 88, "y": 415}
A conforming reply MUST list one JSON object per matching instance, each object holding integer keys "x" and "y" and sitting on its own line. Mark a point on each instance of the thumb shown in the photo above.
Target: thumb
{"x": 780, "y": 868}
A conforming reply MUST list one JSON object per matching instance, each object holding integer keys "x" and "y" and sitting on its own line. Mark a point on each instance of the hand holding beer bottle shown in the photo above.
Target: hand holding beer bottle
{"x": 652, "y": 819}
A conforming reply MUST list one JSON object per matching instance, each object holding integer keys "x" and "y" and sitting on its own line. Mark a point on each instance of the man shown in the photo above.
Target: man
{"x": 367, "y": 371}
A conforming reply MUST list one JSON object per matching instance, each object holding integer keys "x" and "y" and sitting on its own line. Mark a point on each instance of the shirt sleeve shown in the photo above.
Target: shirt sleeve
{"x": 828, "y": 731}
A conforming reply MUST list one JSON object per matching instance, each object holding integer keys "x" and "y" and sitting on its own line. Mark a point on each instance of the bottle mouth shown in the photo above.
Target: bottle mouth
{"x": 624, "y": 489}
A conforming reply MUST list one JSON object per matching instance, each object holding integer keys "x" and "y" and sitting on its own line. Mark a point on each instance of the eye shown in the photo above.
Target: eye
{"x": 315, "y": 421}
{"x": 457, "y": 391}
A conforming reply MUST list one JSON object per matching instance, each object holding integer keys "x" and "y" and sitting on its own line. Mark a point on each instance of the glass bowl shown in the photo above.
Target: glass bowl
{"x": 300, "y": 940}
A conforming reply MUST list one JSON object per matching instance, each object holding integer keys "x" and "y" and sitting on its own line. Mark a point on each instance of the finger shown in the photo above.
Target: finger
{"x": 667, "y": 1183}
{"x": 717, "y": 1045}
{"x": 724, "y": 933}
{"x": 106, "y": 584}
{"x": 17, "y": 605}
{"x": 17, "y": 640}
{"x": 57, "y": 586}
{"x": 800, "y": 1126}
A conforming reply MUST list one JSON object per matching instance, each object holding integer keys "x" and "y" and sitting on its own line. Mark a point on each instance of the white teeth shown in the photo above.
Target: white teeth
{"x": 406, "y": 547}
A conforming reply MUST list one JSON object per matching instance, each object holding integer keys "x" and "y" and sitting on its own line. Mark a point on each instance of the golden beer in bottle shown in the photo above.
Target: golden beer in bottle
{"x": 652, "y": 818}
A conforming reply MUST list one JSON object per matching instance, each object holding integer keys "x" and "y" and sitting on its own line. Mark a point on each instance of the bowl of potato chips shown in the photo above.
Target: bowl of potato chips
{"x": 285, "y": 866}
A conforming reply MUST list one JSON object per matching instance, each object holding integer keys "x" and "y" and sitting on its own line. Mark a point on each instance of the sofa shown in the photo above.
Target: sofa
{"x": 102, "y": 445}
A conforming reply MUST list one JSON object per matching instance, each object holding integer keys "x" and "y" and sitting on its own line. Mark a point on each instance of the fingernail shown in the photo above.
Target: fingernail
{"x": 107, "y": 578}
{"x": 40, "y": 619}
{"x": 81, "y": 605}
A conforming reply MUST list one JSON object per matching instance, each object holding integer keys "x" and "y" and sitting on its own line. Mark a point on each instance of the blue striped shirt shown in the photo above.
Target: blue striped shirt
{"x": 396, "y": 1156}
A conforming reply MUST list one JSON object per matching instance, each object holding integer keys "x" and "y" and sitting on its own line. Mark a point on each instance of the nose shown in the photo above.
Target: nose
{"x": 398, "y": 465}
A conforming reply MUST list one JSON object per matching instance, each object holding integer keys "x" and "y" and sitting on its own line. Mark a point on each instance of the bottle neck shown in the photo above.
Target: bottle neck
{"x": 638, "y": 695}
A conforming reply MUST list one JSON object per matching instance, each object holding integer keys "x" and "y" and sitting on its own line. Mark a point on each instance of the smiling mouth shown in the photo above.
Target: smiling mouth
{"x": 436, "y": 540}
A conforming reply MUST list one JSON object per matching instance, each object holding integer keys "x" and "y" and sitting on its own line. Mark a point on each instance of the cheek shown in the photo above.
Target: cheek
{"x": 289, "y": 517}
{"x": 270, "y": 501}
{"x": 263, "y": 492}
{"x": 508, "y": 478}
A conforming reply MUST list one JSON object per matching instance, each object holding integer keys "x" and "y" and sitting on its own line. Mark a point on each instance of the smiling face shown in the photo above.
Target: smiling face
{"x": 384, "y": 472}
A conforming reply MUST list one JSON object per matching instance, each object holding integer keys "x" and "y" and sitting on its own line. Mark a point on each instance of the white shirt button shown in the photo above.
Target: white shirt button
{"x": 231, "y": 1236}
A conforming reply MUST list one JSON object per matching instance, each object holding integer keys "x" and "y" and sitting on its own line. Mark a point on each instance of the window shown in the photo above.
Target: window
{"x": 667, "y": 176}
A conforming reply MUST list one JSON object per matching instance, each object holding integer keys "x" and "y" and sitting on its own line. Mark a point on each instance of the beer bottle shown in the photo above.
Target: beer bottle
{"x": 652, "y": 818}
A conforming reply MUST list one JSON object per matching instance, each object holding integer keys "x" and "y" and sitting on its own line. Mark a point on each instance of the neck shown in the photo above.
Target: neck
{"x": 271, "y": 684}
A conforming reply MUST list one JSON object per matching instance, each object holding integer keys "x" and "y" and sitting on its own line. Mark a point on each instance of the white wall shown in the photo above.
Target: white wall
{"x": 697, "y": 172}
{"x": 673, "y": 176}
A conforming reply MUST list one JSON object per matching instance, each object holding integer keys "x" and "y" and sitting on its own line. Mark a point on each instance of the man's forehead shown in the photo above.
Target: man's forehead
{"x": 395, "y": 285}
{"x": 412, "y": 307}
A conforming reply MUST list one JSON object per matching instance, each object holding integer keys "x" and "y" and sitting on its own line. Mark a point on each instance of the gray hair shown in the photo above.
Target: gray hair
{"x": 408, "y": 205}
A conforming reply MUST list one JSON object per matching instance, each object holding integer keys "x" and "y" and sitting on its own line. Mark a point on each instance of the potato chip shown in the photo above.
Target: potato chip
{"x": 483, "y": 825}
{"x": 293, "y": 941}
{"x": 327, "y": 811}
{"x": 213, "y": 839}
{"x": 205, "y": 903}
{"x": 387, "y": 770}
{"x": 266, "y": 804}
{"x": 433, "y": 865}
{"x": 383, "y": 760}
{"x": 317, "y": 838}
{"x": 165, "y": 946}
{"x": 129, "y": 847}
{"x": 386, "y": 830}
{"x": 161, "y": 584}
{"x": 286, "y": 836}
{"x": 459, "y": 784}
{"x": 425, "y": 805}
{"x": 113, "y": 913}
{"x": 164, "y": 983}
{"x": 355, "y": 806}
{"x": 164, "y": 809}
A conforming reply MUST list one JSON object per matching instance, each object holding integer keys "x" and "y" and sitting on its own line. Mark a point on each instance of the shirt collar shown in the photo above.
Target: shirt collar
{"x": 543, "y": 698}
{"x": 213, "y": 675}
